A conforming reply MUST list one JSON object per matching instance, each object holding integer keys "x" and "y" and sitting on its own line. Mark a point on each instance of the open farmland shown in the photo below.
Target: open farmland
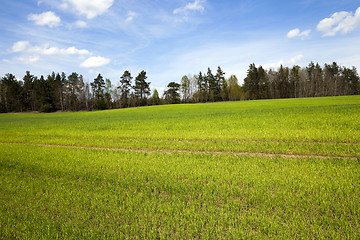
{"x": 287, "y": 168}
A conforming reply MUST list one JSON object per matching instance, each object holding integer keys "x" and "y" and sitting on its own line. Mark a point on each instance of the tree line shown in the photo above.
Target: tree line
{"x": 286, "y": 82}
{"x": 296, "y": 82}
{"x": 58, "y": 92}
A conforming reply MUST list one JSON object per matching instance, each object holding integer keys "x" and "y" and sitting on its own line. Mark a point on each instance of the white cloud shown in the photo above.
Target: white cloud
{"x": 94, "y": 62}
{"x": 31, "y": 54}
{"x": 296, "y": 33}
{"x": 290, "y": 62}
{"x": 296, "y": 59}
{"x": 89, "y": 8}
{"x": 80, "y": 24}
{"x": 46, "y": 18}
{"x": 25, "y": 47}
{"x": 130, "y": 16}
{"x": 28, "y": 59}
{"x": 59, "y": 51}
{"x": 22, "y": 59}
{"x": 197, "y": 5}
{"x": 343, "y": 22}
{"x": 19, "y": 46}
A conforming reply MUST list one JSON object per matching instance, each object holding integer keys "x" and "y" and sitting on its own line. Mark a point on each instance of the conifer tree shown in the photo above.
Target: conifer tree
{"x": 221, "y": 86}
{"x": 155, "y": 99}
{"x": 98, "y": 87}
{"x": 142, "y": 88}
{"x": 125, "y": 87}
{"x": 172, "y": 94}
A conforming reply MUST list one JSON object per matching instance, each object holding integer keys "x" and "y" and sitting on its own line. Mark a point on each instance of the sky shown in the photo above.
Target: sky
{"x": 172, "y": 38}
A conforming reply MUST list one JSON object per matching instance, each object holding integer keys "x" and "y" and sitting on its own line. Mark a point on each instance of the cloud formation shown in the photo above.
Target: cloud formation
{"x": 290, "y": 62}
{"x": 296, "y": 33}
{"x": 28, "y": 59}
{"x": 19, "y": 46}
{"x": 58, "y": 51}
{"x": 296, "y": 59}
{"x": 94, "y": 62}
{"x": 130, "y": 16}
{"x": 24, "y": 46}
{"x": 47, "y": 18}
{"x": 343, "y": 22}
{"x": 197, "y": 5}
{"x": 89, "y": 8}
{"x": 30, "y": 54}
{"x": 80, "y": 24}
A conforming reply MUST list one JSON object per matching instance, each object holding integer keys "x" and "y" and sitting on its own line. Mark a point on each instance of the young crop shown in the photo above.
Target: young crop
{"x": 236, "y": 170}
{"x": 81, "y": 193}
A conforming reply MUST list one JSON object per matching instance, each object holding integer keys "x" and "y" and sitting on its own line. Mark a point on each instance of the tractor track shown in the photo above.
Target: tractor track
{"x": 182, "y": 151}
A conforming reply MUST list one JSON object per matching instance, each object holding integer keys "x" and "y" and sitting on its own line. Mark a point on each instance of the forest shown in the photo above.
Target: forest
{"x": 58, "y": 92}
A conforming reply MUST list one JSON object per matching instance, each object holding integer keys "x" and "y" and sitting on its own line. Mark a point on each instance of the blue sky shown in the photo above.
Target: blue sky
{"x": 172, "y": 38}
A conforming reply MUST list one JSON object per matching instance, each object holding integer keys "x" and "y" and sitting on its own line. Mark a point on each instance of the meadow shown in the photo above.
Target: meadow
{"x": 270, "y": 169}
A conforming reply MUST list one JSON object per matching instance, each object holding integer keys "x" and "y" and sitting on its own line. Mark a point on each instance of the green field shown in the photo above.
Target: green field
{"x": 278, "y": 169}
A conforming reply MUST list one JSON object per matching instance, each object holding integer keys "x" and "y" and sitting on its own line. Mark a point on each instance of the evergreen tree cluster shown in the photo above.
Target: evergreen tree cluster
{"x": 295, "y": 82}
{"x": 58, "y": 92}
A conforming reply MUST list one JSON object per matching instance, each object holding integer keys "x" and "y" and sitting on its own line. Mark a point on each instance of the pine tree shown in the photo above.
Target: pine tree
{"x": 251, "y": 82}
{"x": 295, "y": 80}
{"x": 98, "y": 90}
{"x": 142, "y": 88}
{"x": 72, "y": 97}
{"x": 155, "y": 99}
{"x": 213, "y": 87}
{"x": 10, "y": 94}
{"x": 222, "y": 93}
{"x": 125, "y": 87}
{"x": 202, "y": 87}
{"x": 28, "y": 92}
{"x": 58, "y": 92}
{"x": 172, "y": 94}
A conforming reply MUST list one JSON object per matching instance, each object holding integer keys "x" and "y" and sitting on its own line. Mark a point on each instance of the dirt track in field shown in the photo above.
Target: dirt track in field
{"x": 166, "y": 151}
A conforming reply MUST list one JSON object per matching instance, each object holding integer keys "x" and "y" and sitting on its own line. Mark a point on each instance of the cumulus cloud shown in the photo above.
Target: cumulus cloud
{"x": 19, "y": 46}
{"x": 25, "y": 47}
{"x": 291, "y": 62}
{"x": 296, "y": 59}
{"x": 58, "y": 51}
{"x": 46, "y": 18}
{"x": 89, "y": 8}
{"x": 30, "y": 54}
{"x": 197, "y": 5}
{"x": 94, "y": 62}
{"x": 296, "y": 33}
{"x": 343, "y": 22}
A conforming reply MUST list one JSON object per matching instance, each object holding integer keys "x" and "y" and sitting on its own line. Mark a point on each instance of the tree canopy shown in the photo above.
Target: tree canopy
{"x": 57, "y": 91}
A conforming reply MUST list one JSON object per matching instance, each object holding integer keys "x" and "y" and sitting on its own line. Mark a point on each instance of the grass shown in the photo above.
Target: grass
{"x": 188, "y": 189}
{"x": 315, "y": 125}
